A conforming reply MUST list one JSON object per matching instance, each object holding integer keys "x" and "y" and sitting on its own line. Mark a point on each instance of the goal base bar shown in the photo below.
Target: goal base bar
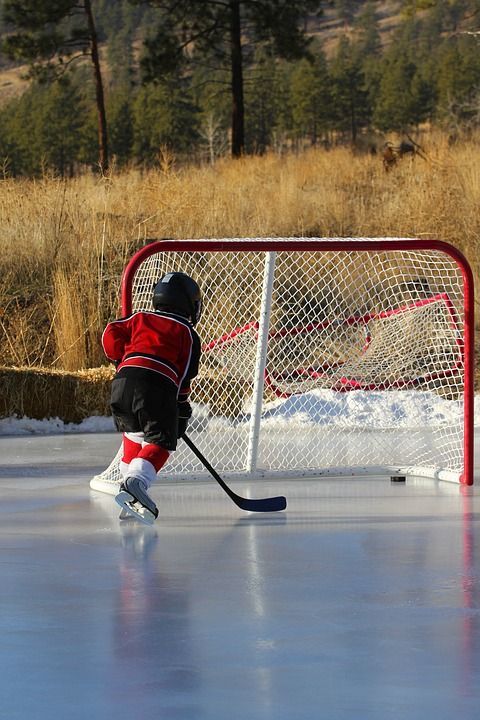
{"x": 104, "y": 486}
{"x": 387, "y": 471}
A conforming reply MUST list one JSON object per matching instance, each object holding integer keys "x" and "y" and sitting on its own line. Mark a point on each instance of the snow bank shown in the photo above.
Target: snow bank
{"x": 372, "y": 410}
{"x": 54, "y": 426}
{"x": 368, "y": 410}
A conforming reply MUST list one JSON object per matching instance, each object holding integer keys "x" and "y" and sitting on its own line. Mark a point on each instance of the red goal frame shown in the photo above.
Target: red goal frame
{"x": 341, "y": 244}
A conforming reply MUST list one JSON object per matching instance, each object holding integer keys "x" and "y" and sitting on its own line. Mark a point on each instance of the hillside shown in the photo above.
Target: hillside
{"x": 12, "y": 82}
{"x": 330, "y": 28}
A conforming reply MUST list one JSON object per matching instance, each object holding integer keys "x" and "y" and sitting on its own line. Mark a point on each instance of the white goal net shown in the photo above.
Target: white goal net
{"x": 323, "y": 356}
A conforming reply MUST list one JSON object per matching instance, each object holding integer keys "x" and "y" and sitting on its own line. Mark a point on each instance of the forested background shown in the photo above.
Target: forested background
{"x": 174, "y": 83}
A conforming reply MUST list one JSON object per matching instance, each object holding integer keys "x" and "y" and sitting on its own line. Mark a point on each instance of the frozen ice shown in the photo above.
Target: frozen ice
{"x": 360, "y": 602}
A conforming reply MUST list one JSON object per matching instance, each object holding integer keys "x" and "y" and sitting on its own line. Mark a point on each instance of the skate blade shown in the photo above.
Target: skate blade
{"x": 130, "y": 507}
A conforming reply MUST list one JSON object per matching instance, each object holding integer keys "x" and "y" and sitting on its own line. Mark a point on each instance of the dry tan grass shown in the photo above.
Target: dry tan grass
{"x": 64, "y": 243}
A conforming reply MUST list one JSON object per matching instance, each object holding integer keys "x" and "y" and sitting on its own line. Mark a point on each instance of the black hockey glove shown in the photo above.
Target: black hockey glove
{"x": 184, "y": 415}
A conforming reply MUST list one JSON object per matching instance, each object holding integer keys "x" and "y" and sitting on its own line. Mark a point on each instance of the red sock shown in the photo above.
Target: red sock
{"x": 155, "y": 454}
{"x": 132, "y": 444}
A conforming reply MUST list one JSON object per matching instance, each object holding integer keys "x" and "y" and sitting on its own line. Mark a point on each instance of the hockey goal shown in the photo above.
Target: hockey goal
{"x": 323, "y": 356}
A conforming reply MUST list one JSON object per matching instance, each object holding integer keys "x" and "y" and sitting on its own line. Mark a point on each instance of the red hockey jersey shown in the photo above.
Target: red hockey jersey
{"x": 158, "y": 341}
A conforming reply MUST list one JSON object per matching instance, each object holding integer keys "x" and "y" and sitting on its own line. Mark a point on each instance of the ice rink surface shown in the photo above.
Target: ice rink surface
{"x": 360, "y": 602}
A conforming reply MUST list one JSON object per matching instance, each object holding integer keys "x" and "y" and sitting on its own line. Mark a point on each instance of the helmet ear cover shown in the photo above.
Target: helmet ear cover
{"x": 178, "y": 292}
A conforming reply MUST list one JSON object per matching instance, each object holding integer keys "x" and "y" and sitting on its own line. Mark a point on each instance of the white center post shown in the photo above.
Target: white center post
{"x": 261, "y": 360}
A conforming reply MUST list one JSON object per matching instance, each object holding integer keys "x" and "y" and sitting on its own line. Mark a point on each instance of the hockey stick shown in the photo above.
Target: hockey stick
{"x": 273, "y": 504}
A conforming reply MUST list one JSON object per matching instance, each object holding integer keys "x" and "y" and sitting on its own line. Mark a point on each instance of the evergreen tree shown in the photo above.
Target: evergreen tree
{"x": 283, "y": 130}
{"x": 367, "y": 51}
{"x": 164, "y": 115}
{"x": 367, "y": 33}
{"x": 350, "y": 97}
{"x": 8, "y": 145}
{"x": 43, "y": 128}
{"x": 9, "y": 140}
{"x": 120, "y": 112}
{"x": 120, "y": 37}
{"x": 458, "y": 80}
{"x": 59, "y": 124}
{"x": 120, "y": 59}
{"x": 311, "y": 96}
{"x": 49, "y": 35}
{"x": 261, "y": 102}
{"x": 210, "y": 92}
{"x": 228, "y": 28}
{"x": 395, "y": 107}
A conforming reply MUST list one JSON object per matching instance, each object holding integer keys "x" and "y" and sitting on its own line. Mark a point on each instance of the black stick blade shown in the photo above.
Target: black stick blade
{"x": 274, "y": 504}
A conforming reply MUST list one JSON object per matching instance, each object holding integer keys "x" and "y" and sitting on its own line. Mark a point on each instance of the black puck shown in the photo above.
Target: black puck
{"x": 398, "y": 478}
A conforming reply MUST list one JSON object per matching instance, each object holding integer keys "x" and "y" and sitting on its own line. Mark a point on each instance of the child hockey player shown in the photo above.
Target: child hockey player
{"x": 156, "y": 354}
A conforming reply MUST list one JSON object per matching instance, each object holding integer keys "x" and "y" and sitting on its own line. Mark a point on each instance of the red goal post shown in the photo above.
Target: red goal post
{"x": 312, "y": 343}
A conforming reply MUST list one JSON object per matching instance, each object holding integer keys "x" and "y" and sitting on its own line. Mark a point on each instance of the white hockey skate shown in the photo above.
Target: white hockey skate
{"x": 134, "y": 500}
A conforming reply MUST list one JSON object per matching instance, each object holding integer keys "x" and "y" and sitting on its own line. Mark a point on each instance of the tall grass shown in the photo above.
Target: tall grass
{"x": 64, "y": 242}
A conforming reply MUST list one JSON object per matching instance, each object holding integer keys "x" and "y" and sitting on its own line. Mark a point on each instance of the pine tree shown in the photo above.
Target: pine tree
{"x": 261, "y": 102}
{"x": 283, "y": 130}
{"x": 120, "y": 112}
{"x": 229, "y": 29}
{"x": 350, "y": 97}
{"x": 43, "y": 128}
{"x": 59, "y": 125}
{"x": 49, "y": 35}
{"x": 458, "y": 80}
{"x": 396, "y": 105}
{"x": 9, "y": 139}
{"x": 311, "y": 97}
{"x": 210, "y": 92}
{"x": 164, "y": 116}
{"x": 367, "y": 51}
{"x": 367, "y": 32}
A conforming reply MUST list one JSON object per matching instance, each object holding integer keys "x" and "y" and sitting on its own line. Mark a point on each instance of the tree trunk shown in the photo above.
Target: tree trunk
{"x": 353, "y": 113}
{"x": 102, "y": 117}
{"x": 353, "y": 121}
{"x": 238, "y": 110}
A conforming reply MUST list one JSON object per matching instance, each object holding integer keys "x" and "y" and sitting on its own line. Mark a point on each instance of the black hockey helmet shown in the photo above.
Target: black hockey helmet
{"x": 178, "y": 292}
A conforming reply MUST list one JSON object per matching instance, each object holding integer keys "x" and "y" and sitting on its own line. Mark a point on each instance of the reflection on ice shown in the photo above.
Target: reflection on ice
{"x": 362, "y": 599}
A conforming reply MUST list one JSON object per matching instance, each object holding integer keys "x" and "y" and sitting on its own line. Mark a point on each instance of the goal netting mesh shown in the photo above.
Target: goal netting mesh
{"x": 335, "y": 358}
